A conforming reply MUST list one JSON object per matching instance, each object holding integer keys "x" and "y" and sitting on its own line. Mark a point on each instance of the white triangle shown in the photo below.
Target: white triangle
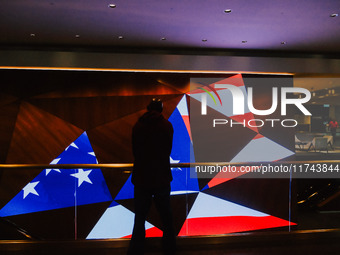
{"x": 182, "y": 192}
{"x": 74, "y": 145}
{"x": 262, "y": 150}
{"x": 183, "y": 107}
{"x": 210, "y": 206}
{"x": 173, "y": 161}
{"x": 55, "y": 161}
{"x": 116, "y": 222}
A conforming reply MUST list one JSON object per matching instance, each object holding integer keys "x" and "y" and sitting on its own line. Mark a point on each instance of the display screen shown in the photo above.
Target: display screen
{"x": 202, "y": 206}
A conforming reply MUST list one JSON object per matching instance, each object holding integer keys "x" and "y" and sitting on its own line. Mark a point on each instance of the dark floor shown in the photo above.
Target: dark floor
{"x": 296, "y": 242}
{"x": 313, "y": 220}
{"x": 318, "y": 232}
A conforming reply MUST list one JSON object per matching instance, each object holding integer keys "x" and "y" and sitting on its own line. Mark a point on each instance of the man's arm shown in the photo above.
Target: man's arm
{"x": 134, "y": 142}
{"x": 171, "y": 134}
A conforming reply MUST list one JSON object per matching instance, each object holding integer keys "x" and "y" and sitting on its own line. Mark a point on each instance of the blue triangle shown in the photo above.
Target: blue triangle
{"x": 127, "y": 191}
{"x": 205, "y": 187}
{"x": 80, "y": 155}
{"x": 181, "y": 139}
{"x": 114, "y": 203}
{"x": 58, "y": 188}
{"x": 181, "y": 153}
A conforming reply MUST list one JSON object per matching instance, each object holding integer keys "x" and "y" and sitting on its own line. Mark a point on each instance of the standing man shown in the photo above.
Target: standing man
{"x": 332, "y": 126}
{"x": 151, "y": 145}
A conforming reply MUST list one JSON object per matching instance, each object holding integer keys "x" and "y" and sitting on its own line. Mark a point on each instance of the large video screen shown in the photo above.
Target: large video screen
{"x": 90, "y": 122}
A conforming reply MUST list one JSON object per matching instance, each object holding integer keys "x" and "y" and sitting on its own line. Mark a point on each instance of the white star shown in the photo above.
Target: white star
{"x": 54, "y": 161}
{"x": 173, "y": 161}
{"x": 49, "y": 170}
{"x": 82, "y": 176}
{"x": 73, "y": 145}
{"x": 29, "y": 188}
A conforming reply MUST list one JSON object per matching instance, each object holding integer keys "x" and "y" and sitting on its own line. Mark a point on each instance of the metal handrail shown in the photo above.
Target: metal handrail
{"x": 130, "y": 165}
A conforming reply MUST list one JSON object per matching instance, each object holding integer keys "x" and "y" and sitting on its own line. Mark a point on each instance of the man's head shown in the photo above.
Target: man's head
{"x": 156, "y": 104}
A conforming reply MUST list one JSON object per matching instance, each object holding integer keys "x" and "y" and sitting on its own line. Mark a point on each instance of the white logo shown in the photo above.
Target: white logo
{"x": 239, "y": 99}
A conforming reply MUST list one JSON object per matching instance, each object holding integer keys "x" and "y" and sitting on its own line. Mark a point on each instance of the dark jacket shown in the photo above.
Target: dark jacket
{"x": 151, "y": 146}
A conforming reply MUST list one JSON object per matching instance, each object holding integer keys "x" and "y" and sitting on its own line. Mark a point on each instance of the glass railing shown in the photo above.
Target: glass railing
{"x": 95, "y": 201}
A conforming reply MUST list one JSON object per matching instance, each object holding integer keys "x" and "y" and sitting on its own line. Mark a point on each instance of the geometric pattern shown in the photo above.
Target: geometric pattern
{"x": 60, "y": 188}
{"x": 209, "y": 215}
{"x": 84, "y": 123}
{"x": 117, "y": 222}
{"x": 226, "y": 217}
{"x": 257, "y": 148}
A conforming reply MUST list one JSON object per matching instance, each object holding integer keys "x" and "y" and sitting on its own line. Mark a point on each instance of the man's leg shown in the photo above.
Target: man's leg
{"x": 162, "y": 202}
{"x": 334, "y": 136}
{"x": 142, "y": 201}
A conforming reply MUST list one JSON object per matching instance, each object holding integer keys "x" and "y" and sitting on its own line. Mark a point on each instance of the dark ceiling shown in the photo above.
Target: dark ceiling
{"x": 303, "y": 26}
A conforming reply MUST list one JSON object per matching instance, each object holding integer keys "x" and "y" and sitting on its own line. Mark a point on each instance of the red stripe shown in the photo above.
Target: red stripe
{"x": 231, "y": 224}
{"x": 258, "y": 136}
{"x": 151, "y": 232}
{"x": 235, "y": 80}
{"x": 222, "y": 177}
{"x": 187, "y": 124}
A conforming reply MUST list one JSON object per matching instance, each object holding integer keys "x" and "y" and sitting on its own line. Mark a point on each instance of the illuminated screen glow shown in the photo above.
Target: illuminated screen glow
{"x": 208, "y": 215}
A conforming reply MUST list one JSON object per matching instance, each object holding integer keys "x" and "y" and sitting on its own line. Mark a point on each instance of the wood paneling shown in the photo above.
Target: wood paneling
{"x": 8, "y": 116}
{"x": 39, "y": 137}
{"x": 87, "y": 113}
{"x": 112, "y": 142}
{"x": 120, "y": 84}
{"x": 6, "y": 99}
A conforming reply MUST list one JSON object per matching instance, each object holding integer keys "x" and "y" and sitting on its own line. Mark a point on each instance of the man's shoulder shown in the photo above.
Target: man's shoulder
{"x": 168, "y": 123}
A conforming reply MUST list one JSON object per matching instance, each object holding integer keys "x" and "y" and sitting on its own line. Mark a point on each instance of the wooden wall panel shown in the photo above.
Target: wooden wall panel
{"x": 112, "y": 142}
{"x": 121, "y": 84}
{"x": 8, "y": 116}
{"x": 7, "y": 99}
{"x": 27, "y": 83}
{"x": 39, "y": 137}
{"x": 87, "y": 113}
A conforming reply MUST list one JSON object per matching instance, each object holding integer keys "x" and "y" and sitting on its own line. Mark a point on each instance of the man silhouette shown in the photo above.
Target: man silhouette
{"x": 151, "y": 145}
